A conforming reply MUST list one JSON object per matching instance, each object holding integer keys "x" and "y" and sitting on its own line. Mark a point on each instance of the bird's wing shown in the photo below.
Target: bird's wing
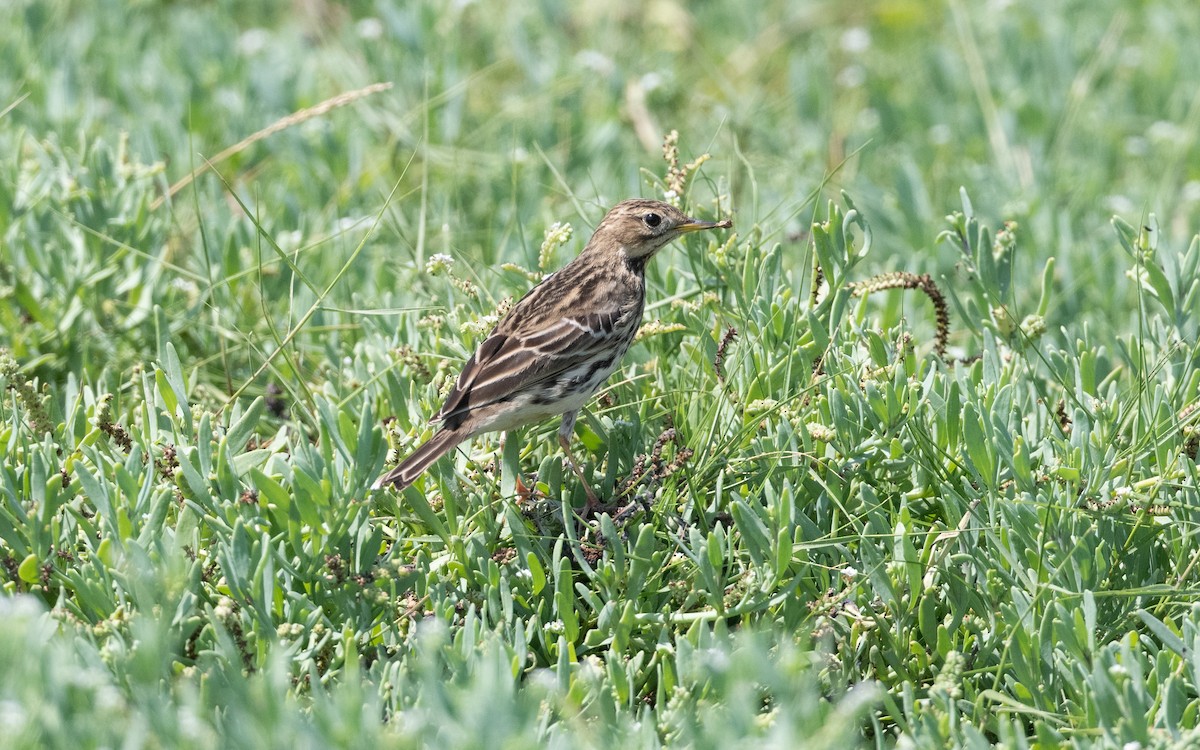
{"x": 508, "y": 362}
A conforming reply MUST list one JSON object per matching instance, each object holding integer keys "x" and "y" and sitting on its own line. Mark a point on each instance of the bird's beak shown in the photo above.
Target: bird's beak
{"x": 695, "y": 225}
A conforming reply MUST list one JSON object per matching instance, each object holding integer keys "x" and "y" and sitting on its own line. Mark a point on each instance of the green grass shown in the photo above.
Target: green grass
{"x": 827, "y": 534}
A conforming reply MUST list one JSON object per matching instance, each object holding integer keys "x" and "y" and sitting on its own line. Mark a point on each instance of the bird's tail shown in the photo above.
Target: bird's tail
{"x": 421, "y": 459}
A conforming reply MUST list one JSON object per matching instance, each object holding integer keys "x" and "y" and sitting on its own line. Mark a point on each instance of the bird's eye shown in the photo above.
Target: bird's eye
{"x": 652, "y": 220}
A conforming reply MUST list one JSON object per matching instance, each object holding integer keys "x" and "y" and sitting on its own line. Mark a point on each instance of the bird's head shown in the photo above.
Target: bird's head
{"x": 640, "y": 228}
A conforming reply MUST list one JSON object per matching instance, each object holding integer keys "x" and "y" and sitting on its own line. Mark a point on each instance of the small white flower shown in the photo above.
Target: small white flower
{"x": 819, "y": 432}
{"x": 186, "y": 286}
{"x": 438, "y": 264}
{"x": 252, "y": 41}
{"x": 347, "y": 223}
{"x": 760, "y": 405}
{"x": 13, "y": 717}
{"x": 1119, "y": 204}
{"x": 479, "y": 327}
{"x": 556, "y": 236}
{"x": 369, "y": 28}
{"x": 1164, "y": 131}
{"x": 856, "y": 40}
{"x": 596, "y": 61}
{"x": 651, "y": 81}
{"x": 1033, "y": 326}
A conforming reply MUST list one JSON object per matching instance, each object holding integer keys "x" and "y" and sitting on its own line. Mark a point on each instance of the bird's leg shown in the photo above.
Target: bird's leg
{"x": 565, "y": 433}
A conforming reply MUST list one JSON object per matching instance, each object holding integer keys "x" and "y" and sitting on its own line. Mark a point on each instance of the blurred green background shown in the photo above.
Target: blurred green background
{"x": 506, "y": 117}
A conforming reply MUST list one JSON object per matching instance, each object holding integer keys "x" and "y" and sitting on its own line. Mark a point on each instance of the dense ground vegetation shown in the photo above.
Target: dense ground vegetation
{"x": 909, "y": 458}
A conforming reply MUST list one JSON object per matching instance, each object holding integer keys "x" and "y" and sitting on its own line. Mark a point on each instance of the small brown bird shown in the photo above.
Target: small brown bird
{"x": 560, "y": 342}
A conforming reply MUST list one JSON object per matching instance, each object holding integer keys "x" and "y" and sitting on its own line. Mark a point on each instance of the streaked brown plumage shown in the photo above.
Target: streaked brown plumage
{"x": 561, "y": 341}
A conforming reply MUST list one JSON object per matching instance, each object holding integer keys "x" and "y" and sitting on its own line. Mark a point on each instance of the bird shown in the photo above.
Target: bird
{"x": 561, "y": 341}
